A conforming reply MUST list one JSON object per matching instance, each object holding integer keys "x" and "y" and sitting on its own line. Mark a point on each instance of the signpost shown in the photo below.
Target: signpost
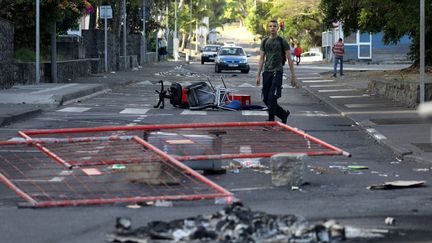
{"x": 106, "y": 13}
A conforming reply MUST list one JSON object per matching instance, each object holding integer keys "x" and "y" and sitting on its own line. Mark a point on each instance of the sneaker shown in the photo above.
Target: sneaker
{"x": 334, "y": 75}
{"x": 284, "y": 119}
{"x": 341, "y": 75}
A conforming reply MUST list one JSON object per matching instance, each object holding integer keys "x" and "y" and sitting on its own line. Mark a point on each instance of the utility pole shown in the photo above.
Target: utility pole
{"x": 124, "y": 34}
{"x": 54, "y": 51}
{"x": 422, "y": 51}
{"x": 37, "y": 41}
{"x": 175, "y": 37}
{"x": 190, "y": 28}
{"x": 105, "y": 38}
{"x": 196, "y": 36}
{"x": 167, "y": 30}
{"x": 143, "y": 38}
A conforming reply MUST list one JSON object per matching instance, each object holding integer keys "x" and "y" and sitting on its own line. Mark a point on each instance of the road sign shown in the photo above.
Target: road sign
{"x": 105, "y": 11}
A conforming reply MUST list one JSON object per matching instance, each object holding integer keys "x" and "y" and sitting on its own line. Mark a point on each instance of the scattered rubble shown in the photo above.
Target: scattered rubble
{"x": 235, "y": 223}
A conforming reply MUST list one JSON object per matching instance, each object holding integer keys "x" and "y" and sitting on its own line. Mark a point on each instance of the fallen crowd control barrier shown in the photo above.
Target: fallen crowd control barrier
{"x": 80, "y": 166}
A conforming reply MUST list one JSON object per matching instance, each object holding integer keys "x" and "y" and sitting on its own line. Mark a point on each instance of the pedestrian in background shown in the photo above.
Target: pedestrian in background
{"x": 274, "y": 51}
{"x": 338, "y": 54}
{"x": 297, "y": 53}
{"x": 292, "y": 49}
{"x": 162, "y": 49}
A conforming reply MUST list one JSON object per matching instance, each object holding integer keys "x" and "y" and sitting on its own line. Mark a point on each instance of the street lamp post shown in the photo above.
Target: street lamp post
{"x": 37, "y": 41}
{"x": 144, "y": 41}
{"x": 190, "y": 28}
{"x": 422, "y": 51}
{"x": 175, "y": 37}
{"x": 124, "y": 34}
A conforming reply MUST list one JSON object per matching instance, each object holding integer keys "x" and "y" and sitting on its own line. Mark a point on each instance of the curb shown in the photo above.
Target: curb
{"x": 378, "y": 137}
{"x": 4, "y": 121}
{"x": 61, "y": 99}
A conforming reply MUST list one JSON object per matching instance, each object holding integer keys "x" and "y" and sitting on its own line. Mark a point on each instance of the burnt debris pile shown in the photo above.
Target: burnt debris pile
{"x": 235, "y": 223}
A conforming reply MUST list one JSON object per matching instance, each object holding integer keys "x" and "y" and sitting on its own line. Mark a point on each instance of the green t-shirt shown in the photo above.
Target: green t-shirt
{"x": 273, "y": 53}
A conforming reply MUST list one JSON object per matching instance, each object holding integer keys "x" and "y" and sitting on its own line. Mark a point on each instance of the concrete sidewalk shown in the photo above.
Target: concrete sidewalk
{"x": 25, "y": 101}
{"x": 389, "y": 123}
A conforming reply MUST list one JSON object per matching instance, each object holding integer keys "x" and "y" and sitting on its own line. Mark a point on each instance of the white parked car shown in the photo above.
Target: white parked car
{"x": 311, "y": 56}
{"x": 209, "y": 53}
{"x": 229, "y": 43}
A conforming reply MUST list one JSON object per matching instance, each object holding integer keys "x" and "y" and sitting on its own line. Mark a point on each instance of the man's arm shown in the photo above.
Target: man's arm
{"x": 260, "y": 66}
{"x": 291, "y": 66}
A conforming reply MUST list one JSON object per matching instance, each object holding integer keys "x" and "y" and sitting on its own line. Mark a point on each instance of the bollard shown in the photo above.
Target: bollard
{"x": 287, "y": 169}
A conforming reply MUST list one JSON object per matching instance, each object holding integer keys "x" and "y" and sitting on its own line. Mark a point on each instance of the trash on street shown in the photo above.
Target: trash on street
{"x": 396, "y": 185}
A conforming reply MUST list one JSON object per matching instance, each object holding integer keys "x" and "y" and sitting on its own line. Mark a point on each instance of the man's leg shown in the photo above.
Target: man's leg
{"x": 274, "y": 94}
{"x": 335, "y": 61}
{"x": 341, "y": 66}
{"x": 267, "y": 78}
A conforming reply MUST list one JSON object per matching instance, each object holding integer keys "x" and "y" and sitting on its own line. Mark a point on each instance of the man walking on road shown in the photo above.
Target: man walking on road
{"x": 338, "y": 51}
{"x": 274, "y": 51}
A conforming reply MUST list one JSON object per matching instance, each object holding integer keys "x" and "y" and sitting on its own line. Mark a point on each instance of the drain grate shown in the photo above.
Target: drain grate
{"x": 398, "y": 121}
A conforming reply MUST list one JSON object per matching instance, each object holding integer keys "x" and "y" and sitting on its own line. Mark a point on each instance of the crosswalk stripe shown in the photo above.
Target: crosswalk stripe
{"x": 348, "y": 96}
{"x": 74, "y": 109}
{"x": 190, "y": 112}
{"x": 335, "y": 90}
{"x": 134, "y": 111}
{"x": 246, "y": 85}
{"x": 254, "y": 113}
{"x": 318, "y": 81}
{"x": 325, "y": 85}
{"x": 306, "y": 78}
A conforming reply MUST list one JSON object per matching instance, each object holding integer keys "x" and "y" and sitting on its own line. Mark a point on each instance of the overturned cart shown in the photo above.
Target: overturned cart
{"x": 138, "y": 163}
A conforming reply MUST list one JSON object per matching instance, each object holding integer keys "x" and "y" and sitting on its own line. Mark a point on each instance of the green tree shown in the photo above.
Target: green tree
{"x": 395, "y": 18}
{"x": 303, "y": 20}
{"x": 23, "y": 14}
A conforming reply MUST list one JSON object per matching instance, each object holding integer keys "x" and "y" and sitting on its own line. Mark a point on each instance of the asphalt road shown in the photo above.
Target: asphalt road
{"x": 332, "y": 194}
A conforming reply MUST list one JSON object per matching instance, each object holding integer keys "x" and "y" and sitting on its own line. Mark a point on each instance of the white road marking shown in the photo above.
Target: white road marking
{"x": 335, "y": 90}
{"x": 246, "y": 85}
{"x": 254, "y": 113}
{"x": 348, "y": 96}
{"x": 189, "y": 112}
{"x": 360, "y": 105}
{"x": 325, "y": 85}
{"x": 379, "y": 112}
{"x": 318, "y": 81}
{"x": 74, "y": 109}
{"x": 316, "y": 113}
{"x": 374, "y": 133}
{"x": 303, "y": 78}
{"x": 134, "y": 111}
{"x": 287, "y": 86}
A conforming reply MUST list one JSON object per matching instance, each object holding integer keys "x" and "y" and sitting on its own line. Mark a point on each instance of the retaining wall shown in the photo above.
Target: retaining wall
{"x": 6, "y": 53}
{"x": 407, "y": 93}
